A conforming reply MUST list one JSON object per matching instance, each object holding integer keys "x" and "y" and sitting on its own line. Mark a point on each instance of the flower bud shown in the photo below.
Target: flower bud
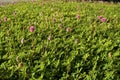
{"x": 68, "y": 29}
{"x": 20, "y": 65}
{"x": 76, "y": 41}
{"x": 17, "y": 59}
{"x": 22, "y": 40}
{"x": 49, "y": 37}
{"x": 110, "y": 54}
{"x": 78, "y": 16}
{"x": 103, "y": 19}
{"x": 5, "y": 19}
{"x": 32, "y": 28}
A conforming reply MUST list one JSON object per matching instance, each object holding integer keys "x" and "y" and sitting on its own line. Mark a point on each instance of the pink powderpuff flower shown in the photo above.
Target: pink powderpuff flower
{"x": 78, "y": 16}
{"x": 103, "y": 19}
{"x": 68, "y": 29}
{"x": 32, "y": 28}
{"x": 100, "y": 17}
{"x": 5, "y": 19}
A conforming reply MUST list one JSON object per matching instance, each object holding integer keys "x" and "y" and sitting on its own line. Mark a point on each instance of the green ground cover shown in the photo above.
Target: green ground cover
{"x": 55, "y": 40}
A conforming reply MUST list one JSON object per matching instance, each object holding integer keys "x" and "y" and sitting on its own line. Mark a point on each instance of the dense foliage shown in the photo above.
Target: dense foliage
{"x": 54, "y": 40}
{"x": 94, "y": 0}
